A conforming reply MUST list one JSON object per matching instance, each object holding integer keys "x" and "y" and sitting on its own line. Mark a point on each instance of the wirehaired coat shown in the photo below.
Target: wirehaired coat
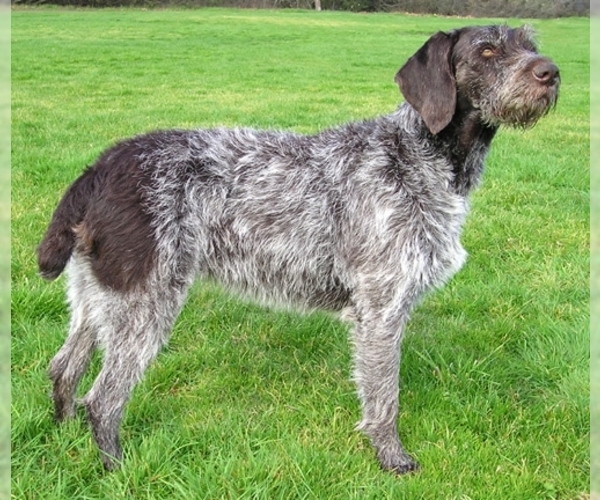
{"x": 363, "y": 218}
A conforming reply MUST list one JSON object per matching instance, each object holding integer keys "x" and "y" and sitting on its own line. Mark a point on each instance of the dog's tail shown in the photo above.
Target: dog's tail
{"x": 59, "y": 241}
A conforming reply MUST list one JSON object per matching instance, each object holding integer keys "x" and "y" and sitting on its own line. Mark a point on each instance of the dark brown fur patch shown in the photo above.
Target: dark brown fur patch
{"x": 102, "y": 216}
{"x": 116, "y": 233}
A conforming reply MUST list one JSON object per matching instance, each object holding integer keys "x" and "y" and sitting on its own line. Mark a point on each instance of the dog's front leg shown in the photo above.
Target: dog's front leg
{"x": 377, "y": 337}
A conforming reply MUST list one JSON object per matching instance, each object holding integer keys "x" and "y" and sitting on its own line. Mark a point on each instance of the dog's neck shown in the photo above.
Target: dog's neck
{"x": 464, "y": 143}
{"x": 467, "y": 141}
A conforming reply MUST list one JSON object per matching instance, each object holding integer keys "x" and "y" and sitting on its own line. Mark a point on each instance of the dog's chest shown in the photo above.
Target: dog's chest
{"x": 402, "y": 227}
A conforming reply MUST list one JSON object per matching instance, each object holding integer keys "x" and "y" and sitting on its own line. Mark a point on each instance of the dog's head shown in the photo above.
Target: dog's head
{"x": 494, "y": 69}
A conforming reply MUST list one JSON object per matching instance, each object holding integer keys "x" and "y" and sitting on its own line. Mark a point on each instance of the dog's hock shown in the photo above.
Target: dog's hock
{"x": 428, "y": 84}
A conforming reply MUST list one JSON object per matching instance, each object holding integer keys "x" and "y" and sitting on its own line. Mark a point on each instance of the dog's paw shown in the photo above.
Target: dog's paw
{"x": 406, "y": 467}
{"x": 399, "y": 464}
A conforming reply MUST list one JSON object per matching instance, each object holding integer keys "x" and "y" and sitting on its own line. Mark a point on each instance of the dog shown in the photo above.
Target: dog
{"x": 364, "y": 218}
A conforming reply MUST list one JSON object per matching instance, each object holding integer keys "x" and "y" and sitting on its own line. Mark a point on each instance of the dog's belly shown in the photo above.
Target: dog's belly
{"x": 285, "y": 284}
{"x": 274, "y": 267}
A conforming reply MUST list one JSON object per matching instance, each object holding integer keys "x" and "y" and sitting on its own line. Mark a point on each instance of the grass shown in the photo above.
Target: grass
{"x": 5, "y": 250}
{"x": 247, "y": 402}
{"x": 595, "y": 262}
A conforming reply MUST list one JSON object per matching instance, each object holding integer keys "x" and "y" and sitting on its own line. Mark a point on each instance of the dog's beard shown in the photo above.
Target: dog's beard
{"x": 521, "y": 108}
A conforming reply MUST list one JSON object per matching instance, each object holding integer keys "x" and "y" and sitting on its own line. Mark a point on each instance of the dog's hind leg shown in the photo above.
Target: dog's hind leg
{"x": 69, "y": 364}
{"x": 137, "y": 325}
{"x": 72, "y": 360}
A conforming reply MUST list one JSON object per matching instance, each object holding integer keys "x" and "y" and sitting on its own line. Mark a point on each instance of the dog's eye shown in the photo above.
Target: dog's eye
{"x": 488, "y": 52}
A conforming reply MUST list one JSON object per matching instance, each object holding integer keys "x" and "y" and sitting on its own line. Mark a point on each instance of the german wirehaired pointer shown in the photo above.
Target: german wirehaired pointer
{"x": 363, "y": 218}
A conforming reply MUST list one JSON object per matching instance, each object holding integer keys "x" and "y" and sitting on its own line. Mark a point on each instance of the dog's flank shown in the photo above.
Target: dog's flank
{"x": 366, "y": 218}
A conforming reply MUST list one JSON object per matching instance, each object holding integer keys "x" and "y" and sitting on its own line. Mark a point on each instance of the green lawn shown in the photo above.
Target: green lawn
{"x": 595, "y": 250}
{"x": 248, "y": 402}
{"x": 5, "y": 251}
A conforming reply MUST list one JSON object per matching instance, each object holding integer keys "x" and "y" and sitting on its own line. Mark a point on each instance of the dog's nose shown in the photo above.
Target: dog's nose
{"x": 546, "y": 72}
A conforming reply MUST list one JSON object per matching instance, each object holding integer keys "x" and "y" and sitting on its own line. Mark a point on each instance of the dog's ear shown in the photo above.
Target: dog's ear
{"x": 427, "y": 81}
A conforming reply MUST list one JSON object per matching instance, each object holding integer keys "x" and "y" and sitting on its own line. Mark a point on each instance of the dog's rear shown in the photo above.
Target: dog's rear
{"x": 102, "y": 216}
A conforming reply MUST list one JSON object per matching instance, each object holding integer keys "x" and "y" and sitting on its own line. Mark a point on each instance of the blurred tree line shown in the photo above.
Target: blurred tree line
{"x": 476, "y": 8}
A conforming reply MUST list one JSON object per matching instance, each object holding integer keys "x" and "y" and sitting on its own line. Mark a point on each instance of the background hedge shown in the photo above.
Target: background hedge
{"x": 477, "y": 8}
